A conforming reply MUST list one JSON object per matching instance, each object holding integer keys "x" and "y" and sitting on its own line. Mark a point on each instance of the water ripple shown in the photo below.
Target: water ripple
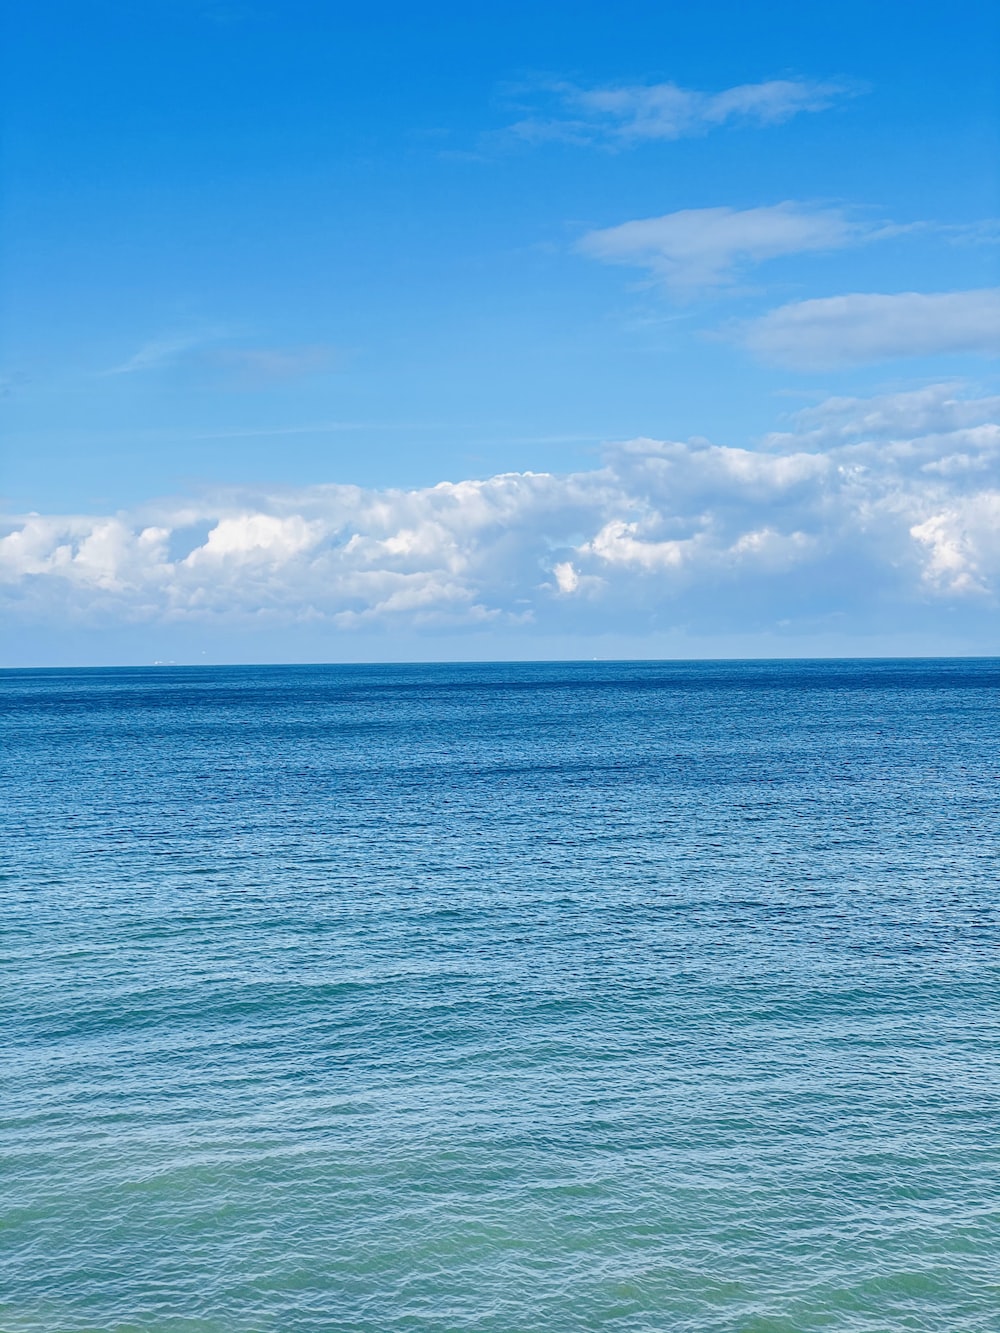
{"x": 632, "y": 997}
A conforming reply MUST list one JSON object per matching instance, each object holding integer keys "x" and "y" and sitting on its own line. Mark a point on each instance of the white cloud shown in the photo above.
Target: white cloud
{"x": 862, "y": 510}
{"x": 932, "y": 410}
{"x": 701, "y": 247}
{"x": 257, "y": 537}
{"x": 865, "y": 327}
{"x": 962, "y": 542}
{"x": 567, "y": 579}
{"x": 628, "y": 113}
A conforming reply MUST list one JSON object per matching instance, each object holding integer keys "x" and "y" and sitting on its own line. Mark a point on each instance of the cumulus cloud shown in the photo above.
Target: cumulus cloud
{"x": 962, "y": 545}
{"x": 863, "y": 507}
{"x": 625, "y": 114}
{"x": 701, "y": 247}
{"x": 872, "y": 326}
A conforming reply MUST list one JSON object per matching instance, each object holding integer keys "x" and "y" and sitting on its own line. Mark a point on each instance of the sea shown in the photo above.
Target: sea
{"x": 649, "y": 997}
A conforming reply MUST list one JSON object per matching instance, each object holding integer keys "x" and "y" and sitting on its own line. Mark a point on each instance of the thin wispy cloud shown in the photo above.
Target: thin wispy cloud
{"x": 842, "y": 515}
{"x": 253, "y": 367}
{"x": 620, "y": 115}
{"x": 864, "y": 327}
{"x": 697, "y": 248}
{"x": 239, "y": 366}
{"x": 11, "y": 381}
{"x": 159, "y": 353}
{"x": 944, "y": 410}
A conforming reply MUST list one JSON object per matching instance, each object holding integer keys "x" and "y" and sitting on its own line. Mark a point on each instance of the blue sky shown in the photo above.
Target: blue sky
{"x": 258, "y": 255}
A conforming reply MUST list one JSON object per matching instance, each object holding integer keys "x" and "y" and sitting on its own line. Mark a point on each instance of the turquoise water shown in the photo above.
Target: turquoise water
{"x": 502, "y": 998}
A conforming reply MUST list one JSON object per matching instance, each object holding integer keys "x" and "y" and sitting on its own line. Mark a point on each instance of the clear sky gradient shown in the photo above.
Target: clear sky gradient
{"x": 257, "y": 255}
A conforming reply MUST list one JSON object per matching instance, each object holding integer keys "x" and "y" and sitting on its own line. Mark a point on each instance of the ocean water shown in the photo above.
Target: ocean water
{"x": 505, "y": 998}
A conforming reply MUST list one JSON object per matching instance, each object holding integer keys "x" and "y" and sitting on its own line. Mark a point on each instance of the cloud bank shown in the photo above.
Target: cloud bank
{"x": 862, "y": 510}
